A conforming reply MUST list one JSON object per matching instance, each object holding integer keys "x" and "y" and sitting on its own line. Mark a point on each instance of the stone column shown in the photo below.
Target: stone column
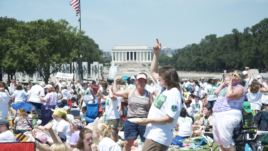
{"x": 112, "y": 54}
{"x": 119, "y": 56}
{"x": 138, "y": 56}
{"x": 124, "y": 56}
{"x": 143, "y": 56}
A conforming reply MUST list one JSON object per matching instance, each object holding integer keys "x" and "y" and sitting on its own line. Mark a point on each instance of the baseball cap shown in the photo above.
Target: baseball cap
{"x": 4, "y": 122}
{"x": 246, "y": 107}
{"x": 141, "y": 76}
{"x": 42, "y": 84}
{"x": 245, "y": 72}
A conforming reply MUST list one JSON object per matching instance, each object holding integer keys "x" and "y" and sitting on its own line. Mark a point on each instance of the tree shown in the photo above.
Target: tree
{"x": 42, "y": 46}
{"x": 229, "y": 52}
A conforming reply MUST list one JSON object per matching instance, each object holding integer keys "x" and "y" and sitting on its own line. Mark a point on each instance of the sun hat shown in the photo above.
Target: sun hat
{"x": 59, "y": 112}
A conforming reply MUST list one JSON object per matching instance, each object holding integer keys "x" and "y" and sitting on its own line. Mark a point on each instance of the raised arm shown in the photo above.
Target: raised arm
{"x": 234, "y": 92}
{"x": 264, "y": 87}
{"x": 116, "y": 92}
{"x": 154, "y": 64}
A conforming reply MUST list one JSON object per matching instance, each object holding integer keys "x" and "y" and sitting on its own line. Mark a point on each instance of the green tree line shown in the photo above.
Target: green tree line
{"x": 43, "y": 46}
{"x": 231, "y": 51}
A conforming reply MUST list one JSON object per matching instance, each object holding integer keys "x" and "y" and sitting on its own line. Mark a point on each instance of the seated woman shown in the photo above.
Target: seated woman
{"x": 59, "y": 123}
{"x": 184, "y": 126}
{"x": 106, "y": 141}
{"x": 204, "y": 124}
{"x": 254, "y": 96}
{"x": 22, "y": 122}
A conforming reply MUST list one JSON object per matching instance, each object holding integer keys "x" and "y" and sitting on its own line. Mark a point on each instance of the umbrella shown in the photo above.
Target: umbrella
{"x": 22, "y": 105}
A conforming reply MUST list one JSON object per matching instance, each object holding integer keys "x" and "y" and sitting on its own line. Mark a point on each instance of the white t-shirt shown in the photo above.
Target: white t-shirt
{"x": 189, "y": 110}
{"x": 4, "y": 100}
{"x": 7, "y": 136}
{"x": 61, "y": 126}
{"x": 185, "y": 126}
{"x": 255, "y": 100}
{"x": 167, "y": 103}
{"x": 196, "y": 106}
{"x": 19, "y": 95}
{"x": 66, "y": 95}
{"x": 35, "y": 93}
{"x": 107, "y": 144}
{"x": 111, "y": 108}
{"x": 87, "y": 97}
{"x": 211, "y": 96}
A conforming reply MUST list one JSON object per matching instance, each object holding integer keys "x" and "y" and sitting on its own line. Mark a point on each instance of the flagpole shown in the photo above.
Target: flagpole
{"x": 80, "y": 56}
{"x": 80, "y": 16}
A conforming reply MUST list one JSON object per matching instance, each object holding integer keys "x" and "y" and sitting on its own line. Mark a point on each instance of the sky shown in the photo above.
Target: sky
{"x": 176, "y": 23}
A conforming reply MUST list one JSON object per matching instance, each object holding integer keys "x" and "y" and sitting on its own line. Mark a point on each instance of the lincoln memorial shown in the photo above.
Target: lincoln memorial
{"x": 131, "y": 54}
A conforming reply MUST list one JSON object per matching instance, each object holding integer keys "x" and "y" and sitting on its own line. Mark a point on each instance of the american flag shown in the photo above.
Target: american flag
{"x": 76, "y": 6}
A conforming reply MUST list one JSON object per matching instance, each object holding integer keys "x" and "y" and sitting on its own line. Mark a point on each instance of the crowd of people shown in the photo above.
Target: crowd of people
{"x": 147, "y": 111}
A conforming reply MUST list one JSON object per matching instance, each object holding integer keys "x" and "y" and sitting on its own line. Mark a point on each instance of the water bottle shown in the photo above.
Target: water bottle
{"x": 247, "y": 147}
{"x": 140, "y": 145}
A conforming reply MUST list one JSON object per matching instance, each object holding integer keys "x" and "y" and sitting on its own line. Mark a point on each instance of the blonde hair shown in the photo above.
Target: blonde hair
{"x": 104, "y": 130}
{"x": 236, "y": 74}
{"x": 59, "y": 147}
{"x": 22, "y": 113}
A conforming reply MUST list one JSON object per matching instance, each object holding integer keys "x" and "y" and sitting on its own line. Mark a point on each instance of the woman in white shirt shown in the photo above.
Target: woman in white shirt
{"x": 19, "y": 97}
{"x": 19, "y": 94}
{"x": 4, "y": 101}
{"x": 184, "y": 126}
{"x": 254, "y": 96}
{"x": 59, "y": 123}
{"x": 106, "y": 143}
{"x": 165, "y": 110}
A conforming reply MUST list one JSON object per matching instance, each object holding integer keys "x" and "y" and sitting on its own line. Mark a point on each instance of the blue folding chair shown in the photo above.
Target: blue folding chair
{"x": 92, "y": 112}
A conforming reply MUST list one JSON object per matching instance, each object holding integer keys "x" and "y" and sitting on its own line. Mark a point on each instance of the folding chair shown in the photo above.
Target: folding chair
{"x": 92, "y": 112}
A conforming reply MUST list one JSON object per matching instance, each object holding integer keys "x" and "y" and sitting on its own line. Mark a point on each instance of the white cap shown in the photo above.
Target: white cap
{"x": 42, "y": 84}
{"x": 245, "y": 72}
{"x": 141, "y": 76}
